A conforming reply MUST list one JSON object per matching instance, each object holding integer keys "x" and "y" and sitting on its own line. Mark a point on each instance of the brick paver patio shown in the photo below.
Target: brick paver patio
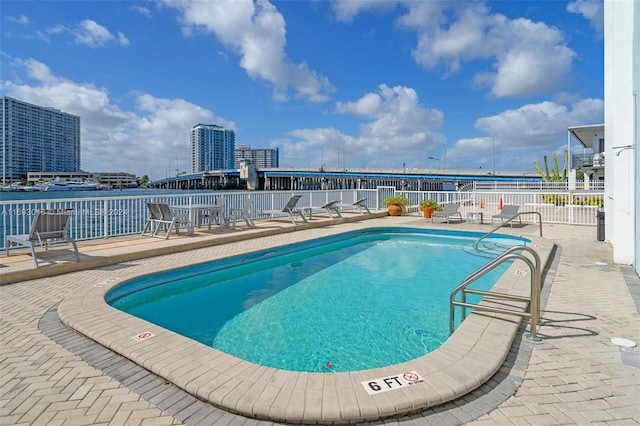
{"x": 50, "y": 375}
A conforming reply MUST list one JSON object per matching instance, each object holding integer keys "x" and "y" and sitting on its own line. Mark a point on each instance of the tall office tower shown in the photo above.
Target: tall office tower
{"x": 36, "y": 138}
{"x": 261, "y": 158}
{"x": 212, "y": 148}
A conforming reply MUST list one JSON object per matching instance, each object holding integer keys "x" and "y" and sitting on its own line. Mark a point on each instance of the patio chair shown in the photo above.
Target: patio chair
{"x": 236, "y": 215}
{"x": 162, "y": 217}
{"x": 331, "y": 207}
{"x": 214, "y": 215}
{"x": 360, "y": 205}
{"x": 48, "y": 227}
{"x": 509, "y": 211}
{"x": 155, "y": 216}
{"x": 289, "y": 209}
{"x": 448, "y": 211}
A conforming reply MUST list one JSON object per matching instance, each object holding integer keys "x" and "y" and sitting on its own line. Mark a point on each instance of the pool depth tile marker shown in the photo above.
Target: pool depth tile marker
{"x": 389, "y": 383}
{"x": 143, "y": 336}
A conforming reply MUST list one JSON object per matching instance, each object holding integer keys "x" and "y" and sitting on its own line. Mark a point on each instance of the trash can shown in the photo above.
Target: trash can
{"x": 600, "y": 224}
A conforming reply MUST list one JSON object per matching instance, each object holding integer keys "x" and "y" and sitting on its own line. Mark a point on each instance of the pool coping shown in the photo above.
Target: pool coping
{"x": 473, "y": 354}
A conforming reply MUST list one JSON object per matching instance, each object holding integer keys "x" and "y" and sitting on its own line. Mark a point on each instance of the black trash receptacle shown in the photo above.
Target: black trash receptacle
{"x": 600, "y": 223}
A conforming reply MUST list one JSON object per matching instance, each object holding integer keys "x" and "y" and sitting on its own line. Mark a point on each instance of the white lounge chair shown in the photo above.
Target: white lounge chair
{"x": 331, "y": 207}
{"x": 236, "y": 215}
{"x": 509, "y": 211}
{"x": 48, "y": 227}
{"x": 289, "y": 209}
{"x": 448, "y": 211}
{"x": 360, "y": 205}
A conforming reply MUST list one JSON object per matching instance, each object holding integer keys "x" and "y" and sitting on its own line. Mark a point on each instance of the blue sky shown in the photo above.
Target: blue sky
{"x": 344, "y": 83}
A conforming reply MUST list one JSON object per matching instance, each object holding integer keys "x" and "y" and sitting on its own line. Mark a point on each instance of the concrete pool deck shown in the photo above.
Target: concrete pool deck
{"x": 574, "y": 375}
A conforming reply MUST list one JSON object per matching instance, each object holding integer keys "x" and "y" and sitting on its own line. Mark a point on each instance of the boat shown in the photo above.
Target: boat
{"x": 10, "y": 188}
{"x": 70, "y": 185}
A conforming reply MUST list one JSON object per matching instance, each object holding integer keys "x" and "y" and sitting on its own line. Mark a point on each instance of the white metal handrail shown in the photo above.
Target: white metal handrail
{"x": 533, "y": 309}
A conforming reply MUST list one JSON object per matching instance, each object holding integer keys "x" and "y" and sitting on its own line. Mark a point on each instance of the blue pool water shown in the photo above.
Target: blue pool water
{"x": 354, "y": 301}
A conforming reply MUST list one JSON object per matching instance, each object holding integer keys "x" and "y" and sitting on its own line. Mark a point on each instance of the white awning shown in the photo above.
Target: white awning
{"x": 588, "y": 135}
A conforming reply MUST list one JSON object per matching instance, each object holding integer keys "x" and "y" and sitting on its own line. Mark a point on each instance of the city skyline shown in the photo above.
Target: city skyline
{"x": 387, "y": 84}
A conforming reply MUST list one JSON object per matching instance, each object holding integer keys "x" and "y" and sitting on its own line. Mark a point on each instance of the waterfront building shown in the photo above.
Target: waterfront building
{"x": 261, "y": 158}
{"x": 37, "y": 138}
{"x": 117, "y": 179}
{"x": 212, "y": 148}
{"x": 39, "y": 177}
{"x": 111, "y": 179}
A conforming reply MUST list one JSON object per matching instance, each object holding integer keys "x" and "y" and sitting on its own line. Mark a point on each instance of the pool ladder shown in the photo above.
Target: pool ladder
{"x": 533, "y": 308}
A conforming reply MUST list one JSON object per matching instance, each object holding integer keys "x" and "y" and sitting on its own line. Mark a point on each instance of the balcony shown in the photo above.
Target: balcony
{"x": 587, "y": 161}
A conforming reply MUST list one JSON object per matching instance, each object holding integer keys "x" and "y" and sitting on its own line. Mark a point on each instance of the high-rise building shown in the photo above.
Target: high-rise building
{"x": 261, "y": 158}
{"x": 212, "y": 148}
{"x": 36, "y": 138}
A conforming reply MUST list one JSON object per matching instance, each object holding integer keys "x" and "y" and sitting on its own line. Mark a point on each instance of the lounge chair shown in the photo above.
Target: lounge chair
{"x": 155, "y": 216}
{"x": 161, "y": 217}
{"x": 360, "y": 205}
{"x": 509, "y": 211}
{"x": 448, "y": 211}
{"x": 48, "y": 227}
{"x": 331, "y": 207}
{"x": 289, "y": 209}
{"x": 236, "y": 215}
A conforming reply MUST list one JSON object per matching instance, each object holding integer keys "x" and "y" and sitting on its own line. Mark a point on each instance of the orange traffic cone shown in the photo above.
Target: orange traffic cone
{"x": 500, "y": 204}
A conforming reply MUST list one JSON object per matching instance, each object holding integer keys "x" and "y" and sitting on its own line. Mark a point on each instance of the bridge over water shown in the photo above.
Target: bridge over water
{"x": 278, "y": 179}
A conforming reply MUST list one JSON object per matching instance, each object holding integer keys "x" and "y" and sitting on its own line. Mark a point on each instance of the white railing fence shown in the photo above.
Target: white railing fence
{"x": 105, "y": 217}
{"x": 594, "y": 185}
{"x": 573, "y": 208}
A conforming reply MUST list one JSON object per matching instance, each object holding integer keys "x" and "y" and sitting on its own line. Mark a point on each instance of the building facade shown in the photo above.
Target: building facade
{"x": 212, "y": 148}
{"x": 110, "y": 179}
{"x": 621, "y": 118}
{"x": 260, "y": 158}
{"x": 36, "y": 138}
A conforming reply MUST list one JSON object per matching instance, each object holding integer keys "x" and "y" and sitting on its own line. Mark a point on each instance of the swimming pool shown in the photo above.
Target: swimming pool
{"x": 466, "y": 360}
{"x": 353, "y": 301}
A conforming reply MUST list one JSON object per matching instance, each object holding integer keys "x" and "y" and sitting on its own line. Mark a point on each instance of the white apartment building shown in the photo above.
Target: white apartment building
{"x": 212, "y": 148}
{"x": 36, "y": 138}
{"x": 260, "y": 158}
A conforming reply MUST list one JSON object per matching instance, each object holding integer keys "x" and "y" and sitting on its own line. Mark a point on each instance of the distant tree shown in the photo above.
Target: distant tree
{"x": 556, "y": 175}
{"x": 142, "y": 181}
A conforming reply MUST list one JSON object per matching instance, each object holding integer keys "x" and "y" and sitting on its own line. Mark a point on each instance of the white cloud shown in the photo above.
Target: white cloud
{"x": 528, "y": 58}
{"x": 256, "y": 31}
{"x": 346, "y": 10}
{"x": 87, "y": 32}
{"x": 400, "y": 129}
{"x": 142, "y": 10}
{"x": 149, "y": 139}
{"x": 22, "y": 19}
{"x": 592, "y": 10}
{"x": 92, "y": 34}
{"x": 521, "y": 136}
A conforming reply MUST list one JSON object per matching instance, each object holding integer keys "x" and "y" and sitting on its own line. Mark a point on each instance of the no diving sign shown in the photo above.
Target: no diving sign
{"x": 392, "y": 382}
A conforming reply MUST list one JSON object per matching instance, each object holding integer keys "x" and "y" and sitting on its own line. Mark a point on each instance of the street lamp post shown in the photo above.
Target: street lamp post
{"x": 493, "y": 154}
{"x": 437, "y": 159}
